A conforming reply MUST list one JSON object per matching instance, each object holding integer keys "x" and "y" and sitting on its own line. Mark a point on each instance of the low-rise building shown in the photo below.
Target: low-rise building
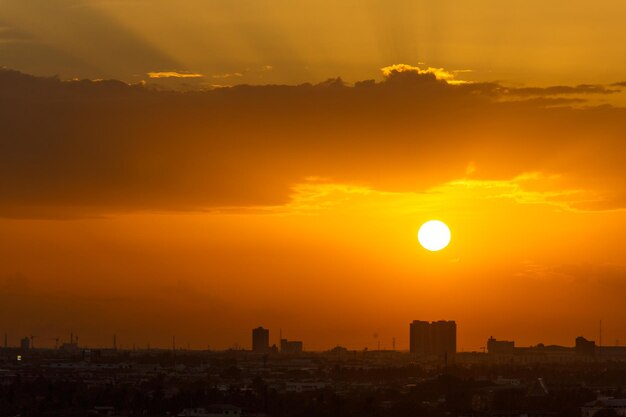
{"x": 616, "y": 405}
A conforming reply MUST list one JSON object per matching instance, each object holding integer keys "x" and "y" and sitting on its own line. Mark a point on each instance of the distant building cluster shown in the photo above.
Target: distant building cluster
{"x": 500, "y": 346}
{"x": 583, "y": 350}
{"x": 585, "y": 347}
{"x": 290, "y": 346}
{"x": 437, "y": 338}
{"x": 261, "y": 343}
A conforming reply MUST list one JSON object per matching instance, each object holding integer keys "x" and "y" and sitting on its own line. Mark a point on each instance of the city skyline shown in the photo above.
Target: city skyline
{"x": 421, "y": 341}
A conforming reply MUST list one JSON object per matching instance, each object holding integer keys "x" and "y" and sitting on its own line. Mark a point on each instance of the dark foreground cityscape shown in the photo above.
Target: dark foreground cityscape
{"x": 432, "y": 379}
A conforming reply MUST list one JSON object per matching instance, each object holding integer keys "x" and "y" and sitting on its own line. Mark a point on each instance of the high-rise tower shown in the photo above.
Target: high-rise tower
{"x": 436, "y": 338}
{"x": 260, "y": 340}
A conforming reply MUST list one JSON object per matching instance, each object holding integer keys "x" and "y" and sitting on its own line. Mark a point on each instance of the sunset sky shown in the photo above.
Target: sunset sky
{"x": 201, "y": 167}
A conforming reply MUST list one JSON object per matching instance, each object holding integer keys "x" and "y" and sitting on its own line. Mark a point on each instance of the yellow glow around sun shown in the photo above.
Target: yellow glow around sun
{"x": 434, "y": 235}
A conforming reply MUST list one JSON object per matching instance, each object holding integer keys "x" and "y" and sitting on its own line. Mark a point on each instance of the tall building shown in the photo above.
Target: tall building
{"x": 443, "y": 338}
{"x": 420, "y": 337}
{"x": 25, "y": 344}
{"x": 436, "y": 338}
{"x": 260, "y": 340}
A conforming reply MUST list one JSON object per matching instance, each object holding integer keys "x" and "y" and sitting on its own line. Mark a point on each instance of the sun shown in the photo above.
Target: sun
{"x": 434, "y": 235}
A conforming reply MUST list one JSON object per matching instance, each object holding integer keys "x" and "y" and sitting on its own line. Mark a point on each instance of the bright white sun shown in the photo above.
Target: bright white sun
{"x": 434, "y": 235}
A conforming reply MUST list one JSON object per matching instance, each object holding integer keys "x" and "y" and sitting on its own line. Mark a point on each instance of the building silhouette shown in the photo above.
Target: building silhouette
{"x": 25, "y": 343}
{"x": 291, "y": 346}
{"x": 585, "y": 347}
{"x": 260, "y": 340}
{"x": 505, "y": 347}
{"x": 436, "y": 338}
{"x": 420, "y": 337}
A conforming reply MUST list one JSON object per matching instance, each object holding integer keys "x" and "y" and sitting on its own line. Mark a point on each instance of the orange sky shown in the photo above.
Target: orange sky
{"x": 285, "y": 41}
{"x": 134, "y": 210}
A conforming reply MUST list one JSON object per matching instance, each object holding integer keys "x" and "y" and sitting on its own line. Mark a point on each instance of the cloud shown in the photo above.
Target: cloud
{"x": 85, "y": 148}
{"x": 439, "y": 73}
{"x": 228, "y": 75}
{"x": 11, "y": 35}
{"x": 321, "y": 194}
{"x": 562, "y": 90}
{"x": 241, "y": 74}
{"x": 174, "y": 74}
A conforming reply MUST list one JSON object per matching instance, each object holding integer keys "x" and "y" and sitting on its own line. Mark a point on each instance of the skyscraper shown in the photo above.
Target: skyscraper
{"x": 420, "y": 337}
{"x": 443, "y": 338}
{"x": 436, "y": 338}
{"x": 260, "y": 340}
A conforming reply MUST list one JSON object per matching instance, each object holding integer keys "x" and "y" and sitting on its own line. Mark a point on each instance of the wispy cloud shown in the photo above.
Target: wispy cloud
{"x": 531, "y": 188}
{"x": 11, "y": 35}
{"x": 563, "y": 90}
{"x": 174, "y": 74}
{"x": 228, "y": 75}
